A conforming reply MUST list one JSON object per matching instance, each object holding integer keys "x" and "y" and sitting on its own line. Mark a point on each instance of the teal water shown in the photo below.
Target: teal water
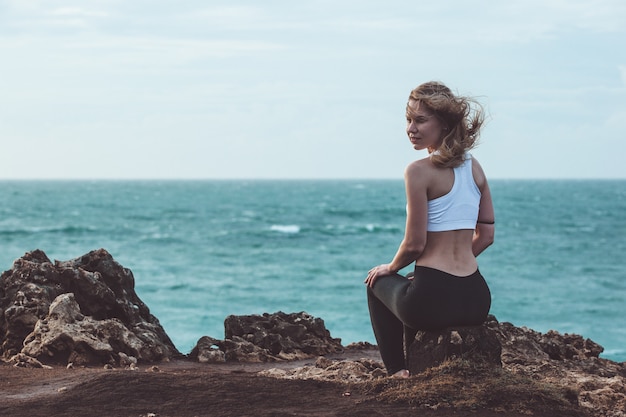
{"x": 201, "y": 250}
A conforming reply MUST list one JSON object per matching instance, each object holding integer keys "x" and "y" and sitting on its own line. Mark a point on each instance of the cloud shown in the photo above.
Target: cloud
{"x": 309, "y": 79}
{"x": 38, "y": 17}
{"x": 76, "y": 11}
{"x": 246, "y": 18}
{"x": 175, "y": 48}
{"x": 545, "y": 16}
{"x": 488, "y": 21}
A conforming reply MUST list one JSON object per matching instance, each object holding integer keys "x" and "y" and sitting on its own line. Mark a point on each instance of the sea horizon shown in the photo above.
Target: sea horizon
{"x": 201, "y": 250}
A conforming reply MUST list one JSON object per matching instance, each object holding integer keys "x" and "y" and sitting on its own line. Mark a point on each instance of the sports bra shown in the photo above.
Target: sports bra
{"x": 458, "y": 209}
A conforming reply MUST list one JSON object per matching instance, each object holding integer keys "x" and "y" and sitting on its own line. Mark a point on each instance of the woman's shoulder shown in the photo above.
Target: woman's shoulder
{"x": 423, "y": 171}
{"x": 424, "y": 167}
{"x": 477, "y": 172}
{"x": 420, "y": 165}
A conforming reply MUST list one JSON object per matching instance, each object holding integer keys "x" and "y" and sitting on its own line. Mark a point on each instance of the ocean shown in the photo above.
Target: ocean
{"x": 202, "y": 250}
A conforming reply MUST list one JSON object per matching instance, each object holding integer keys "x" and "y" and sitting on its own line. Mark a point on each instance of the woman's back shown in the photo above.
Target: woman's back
{"x": 449, "y": 250}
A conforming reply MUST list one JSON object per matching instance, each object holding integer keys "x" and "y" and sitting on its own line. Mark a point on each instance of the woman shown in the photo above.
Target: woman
{"x": 450, "y": 221}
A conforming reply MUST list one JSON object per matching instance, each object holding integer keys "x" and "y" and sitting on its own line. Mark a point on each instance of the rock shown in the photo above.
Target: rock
{"x": 268, "y": 338}
{"x": 473, "y": 343}
{"x": 103, "y": 300}
{"x": 240, "y": 350}
{"x": 66, "y": 336}
{"x": 565, "y": 360}
{"x": 207, "y": 350}
{"x": 332, "y": 370}
{"x": 127, "y": 360}
{"x": 527, "y": 346}
{"x": 495, "y": 342}
{"x": 361, "y": 346}
{"x": 282, "y": 333}
{"x": 24, "y": 361}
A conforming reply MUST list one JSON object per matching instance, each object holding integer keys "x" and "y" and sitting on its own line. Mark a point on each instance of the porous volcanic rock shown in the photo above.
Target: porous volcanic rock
{"x": 65, "y": 335}
{"x": 474, "y": 343}
{"x": 325, "y": 369}
{"x": 96, "y": 316}
{"x": 566, "y": 360}
{"x": 267, "y": 338}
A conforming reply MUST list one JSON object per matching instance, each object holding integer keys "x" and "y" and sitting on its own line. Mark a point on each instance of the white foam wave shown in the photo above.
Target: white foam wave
{"x": 285, "y": 228}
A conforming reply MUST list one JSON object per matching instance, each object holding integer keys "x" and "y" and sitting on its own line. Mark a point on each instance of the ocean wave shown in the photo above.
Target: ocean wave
{"x": 70, "y": 230}
{"x": 356, "y": 229}
{"x": 285, "y": 228}
{"x": 381, "y": 228}
{"x": 161, "y": 238}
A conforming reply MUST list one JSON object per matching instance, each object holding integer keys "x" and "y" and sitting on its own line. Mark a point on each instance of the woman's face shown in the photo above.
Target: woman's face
{"x": 424, "y": 129}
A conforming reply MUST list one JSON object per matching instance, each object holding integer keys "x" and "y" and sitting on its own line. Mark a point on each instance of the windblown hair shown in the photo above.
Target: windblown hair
{"x": 462, "y": 118}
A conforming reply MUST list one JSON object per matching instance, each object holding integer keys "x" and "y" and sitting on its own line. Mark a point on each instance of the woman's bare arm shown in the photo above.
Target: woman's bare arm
{"x": 485, "y": 228}
{"x": 415, "y": 231}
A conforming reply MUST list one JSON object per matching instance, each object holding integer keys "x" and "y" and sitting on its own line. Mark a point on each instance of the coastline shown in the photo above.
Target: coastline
{"x": 184, "y": 388}
{"x": 76, "y": 338}
{"x": 183, "y": 243}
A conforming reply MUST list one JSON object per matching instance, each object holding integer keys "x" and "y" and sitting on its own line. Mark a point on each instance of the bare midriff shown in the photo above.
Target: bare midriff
{"x": 449, "y": 251}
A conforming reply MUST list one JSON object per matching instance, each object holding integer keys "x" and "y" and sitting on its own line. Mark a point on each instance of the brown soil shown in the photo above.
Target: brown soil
{"x": 184, "y": 388}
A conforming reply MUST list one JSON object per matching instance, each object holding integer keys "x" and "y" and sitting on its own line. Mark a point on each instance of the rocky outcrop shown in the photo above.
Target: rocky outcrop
{"x": 268, "y": 338}
{"x": 568, "y": 362}
{"x": 65, "y": 335}
{"x": 473, "y": 343}
{"x": 565, "y": 360}
{"x": 325, "y": 369}
{"x": 526, "y": 346}
{"x": 84, "y": 310}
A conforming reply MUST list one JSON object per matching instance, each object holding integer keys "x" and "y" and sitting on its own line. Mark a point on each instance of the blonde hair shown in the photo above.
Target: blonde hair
{"x": 462, "y": 118}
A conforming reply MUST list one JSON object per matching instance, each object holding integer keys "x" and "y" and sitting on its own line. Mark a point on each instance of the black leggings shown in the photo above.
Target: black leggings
{"x": 432, "y": 300}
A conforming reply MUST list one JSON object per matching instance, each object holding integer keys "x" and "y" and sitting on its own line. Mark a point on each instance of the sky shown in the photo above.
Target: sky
{"x": 210, "y": 89}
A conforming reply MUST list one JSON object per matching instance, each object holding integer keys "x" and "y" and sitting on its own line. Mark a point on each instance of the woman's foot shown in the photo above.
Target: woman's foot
{"x": 402, "y": 373}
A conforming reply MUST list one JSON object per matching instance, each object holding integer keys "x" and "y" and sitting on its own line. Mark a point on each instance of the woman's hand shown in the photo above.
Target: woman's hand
{"x": 376, "y": 272}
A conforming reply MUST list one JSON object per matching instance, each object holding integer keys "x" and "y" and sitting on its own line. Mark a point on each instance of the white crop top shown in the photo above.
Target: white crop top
{"x": 459, "y": 208}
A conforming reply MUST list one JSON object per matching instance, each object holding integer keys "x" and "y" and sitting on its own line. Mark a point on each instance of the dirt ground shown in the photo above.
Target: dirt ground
{"x": 182, "y": 388}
